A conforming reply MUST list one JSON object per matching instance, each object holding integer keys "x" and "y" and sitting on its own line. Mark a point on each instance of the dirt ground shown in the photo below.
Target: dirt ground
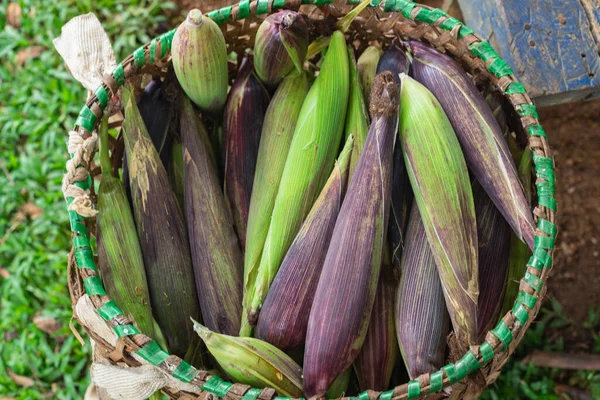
{"x": 574, "y": 134}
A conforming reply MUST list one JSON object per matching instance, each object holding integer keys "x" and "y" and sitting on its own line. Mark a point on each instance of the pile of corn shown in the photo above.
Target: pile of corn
{"x": 319, "y": 216}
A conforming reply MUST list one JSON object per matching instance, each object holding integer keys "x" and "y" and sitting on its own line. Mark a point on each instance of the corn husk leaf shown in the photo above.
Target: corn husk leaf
{"x": 312, "y": 153}
{"x": 340, "y": 386}
{"x": 338, "y": 324}
{"x": 485, "y": 148}
{"x": 162, "y": 234}
{"x": 367, "y": 68}
{"x": 440, "y": 181}
{"x": 253, "y": 362}
{"x": 283, "y": 319}
{"x": 422, "y": 320}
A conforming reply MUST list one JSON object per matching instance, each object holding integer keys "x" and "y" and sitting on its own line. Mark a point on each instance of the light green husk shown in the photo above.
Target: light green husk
{"x": 367, "y": 67}
{"x": 442, "y": 188}
{"x": 312, "y": 153}
{"x": 357, "y": 117}
{"x": 253, "y": 362}
{"x": 278, "y": 129}
{"x": 340, "y": 385}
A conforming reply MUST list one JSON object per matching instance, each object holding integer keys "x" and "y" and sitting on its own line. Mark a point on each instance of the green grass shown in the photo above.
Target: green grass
{"x": 39, "y": 102}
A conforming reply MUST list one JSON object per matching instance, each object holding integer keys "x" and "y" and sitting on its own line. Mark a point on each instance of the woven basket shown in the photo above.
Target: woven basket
{"x": 382, "y": 22}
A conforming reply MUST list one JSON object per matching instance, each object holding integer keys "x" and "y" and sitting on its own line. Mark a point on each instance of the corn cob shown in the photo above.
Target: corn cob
{"x": 162, "y": 235}
{"x": 422, "y": 321}
{"x": 154, "y": 110}
{"x": 377, "y": 357}
{"x": 340, "y": 385}
{"x": 119, "y": 255}
{"x": 243, "y": 120}
{"x": 284, "y": 316}
{"x": 253, "y": 362}
{"x": 519, "y": 252}
{"x": 338, "y": 324}
{"x": 199, "y": 55}
{"x": 395, "y": 61}
{"x": 215, "y": 251}
{"x": 367, "y": 67}
{"x": 281, "y": 45}
{"x": 440, "y": 181}
{"x": 486, "y": 151}
{"x": 493, "y": 237}
{"x": 312, "y": 153}
{"x": 276, "y": 137}
{"x": 357, "y": 118}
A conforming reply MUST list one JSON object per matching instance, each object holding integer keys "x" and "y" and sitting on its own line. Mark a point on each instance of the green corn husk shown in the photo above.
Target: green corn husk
{"x": 338, "y": 324}
{"x": 119, "y": 255}
{"x": 312, "y": 153}
{"x": 276, "y": 137}
{"x": 175, "y": 171}
{"x": 216, "y": 255}
{"x": 162, "y": 234}
{"x": 367, "y": 67}
{"x": 284, "y": 317}
{"x": 485, "y": 149}
{"x": 519, "y": 251}
{"x": 199, "y": 55}
{"x": 377, "y": 358}
{"x": 253, "y": 362}
{"x": 422, "y": 320}
{"x": 442, "y": 188}
{"x": 357, "y": 117}
{"x": 245, "y": 110}
{"x": 493, "y": 237}
{"x": 340, "y": 385}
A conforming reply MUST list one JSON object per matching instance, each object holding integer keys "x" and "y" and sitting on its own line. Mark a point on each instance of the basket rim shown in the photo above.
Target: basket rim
{"x": 78, "y": 180}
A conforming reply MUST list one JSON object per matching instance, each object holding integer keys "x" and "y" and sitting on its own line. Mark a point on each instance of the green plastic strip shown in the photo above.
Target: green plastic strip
{"x": 102, "y": 96}
{"x": 306, "y": 1}
{"x": 414, "y": 389}
{"x": 526, "y": 299}
{"x": 406, "y": 8}
{"x": 217, "y": 386}
{"x": 389, "y": 6}
{"x": 387, "y": 395}
{"x": 423, "y": 15}
{"x": 547, "y": 227}
{"x": 139, "y": 57}
{"x": 528, "y": 110}
{"x": 450, "y": 373}
{"x": 119, "y": 75}
{"x": 185, "y": 372}
{"x": 109, "y": 310}
{"x": 500, "y": 68}
{"x": 262, "y": 7}
{"x": 278, "y": 4}
{"x": 515, "y": 88}
{"x": 164, "y": 46}
{"x": 322, "y": 2}
{"x": 483, "y": 50}
{"x": 536, "y": 130}
{"x": 470, "y": 362}
{"x": 85, "y": 259}
{"x": 81, "y": 242}
{"x": 252, "y": 394}
{"x": 152, "y": 51}
{"x": 363, "y": 395}
{"x": 244, "y": 12}
{"x": 544, "y": 242}
{"x": 535, "y": 282}
{"x": 86, "y": 119}
{"x": 540, "y": 259}
{"x": 520, "y": 313}
{"x": 125, "y": 330}
{"x": 84, "y": 184}
{"x": 487, "y": 352}
{"x": 220, "y": 16}
{"x": 460, "y": 370}
{"x": 450, "y": 24}
{"x": 93, "y": 286}
{"x": 282, "y": 398}
{"x": 465, "y": 31}
{"x": 153, "y": 353}
{"x": 435, "y": 15}
{"x": 503, "y": 334}
{"x": 436, "y": 382}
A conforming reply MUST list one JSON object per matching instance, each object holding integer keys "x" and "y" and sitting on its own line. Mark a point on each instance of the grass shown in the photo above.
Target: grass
{"x": 39, "y": 101}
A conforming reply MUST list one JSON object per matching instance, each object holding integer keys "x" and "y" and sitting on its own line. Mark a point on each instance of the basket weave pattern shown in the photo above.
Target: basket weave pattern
{"x": 384, "y": 21}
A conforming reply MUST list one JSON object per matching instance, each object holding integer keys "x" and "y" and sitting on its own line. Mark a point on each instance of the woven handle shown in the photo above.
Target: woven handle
{"x": 77, "y": 183}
